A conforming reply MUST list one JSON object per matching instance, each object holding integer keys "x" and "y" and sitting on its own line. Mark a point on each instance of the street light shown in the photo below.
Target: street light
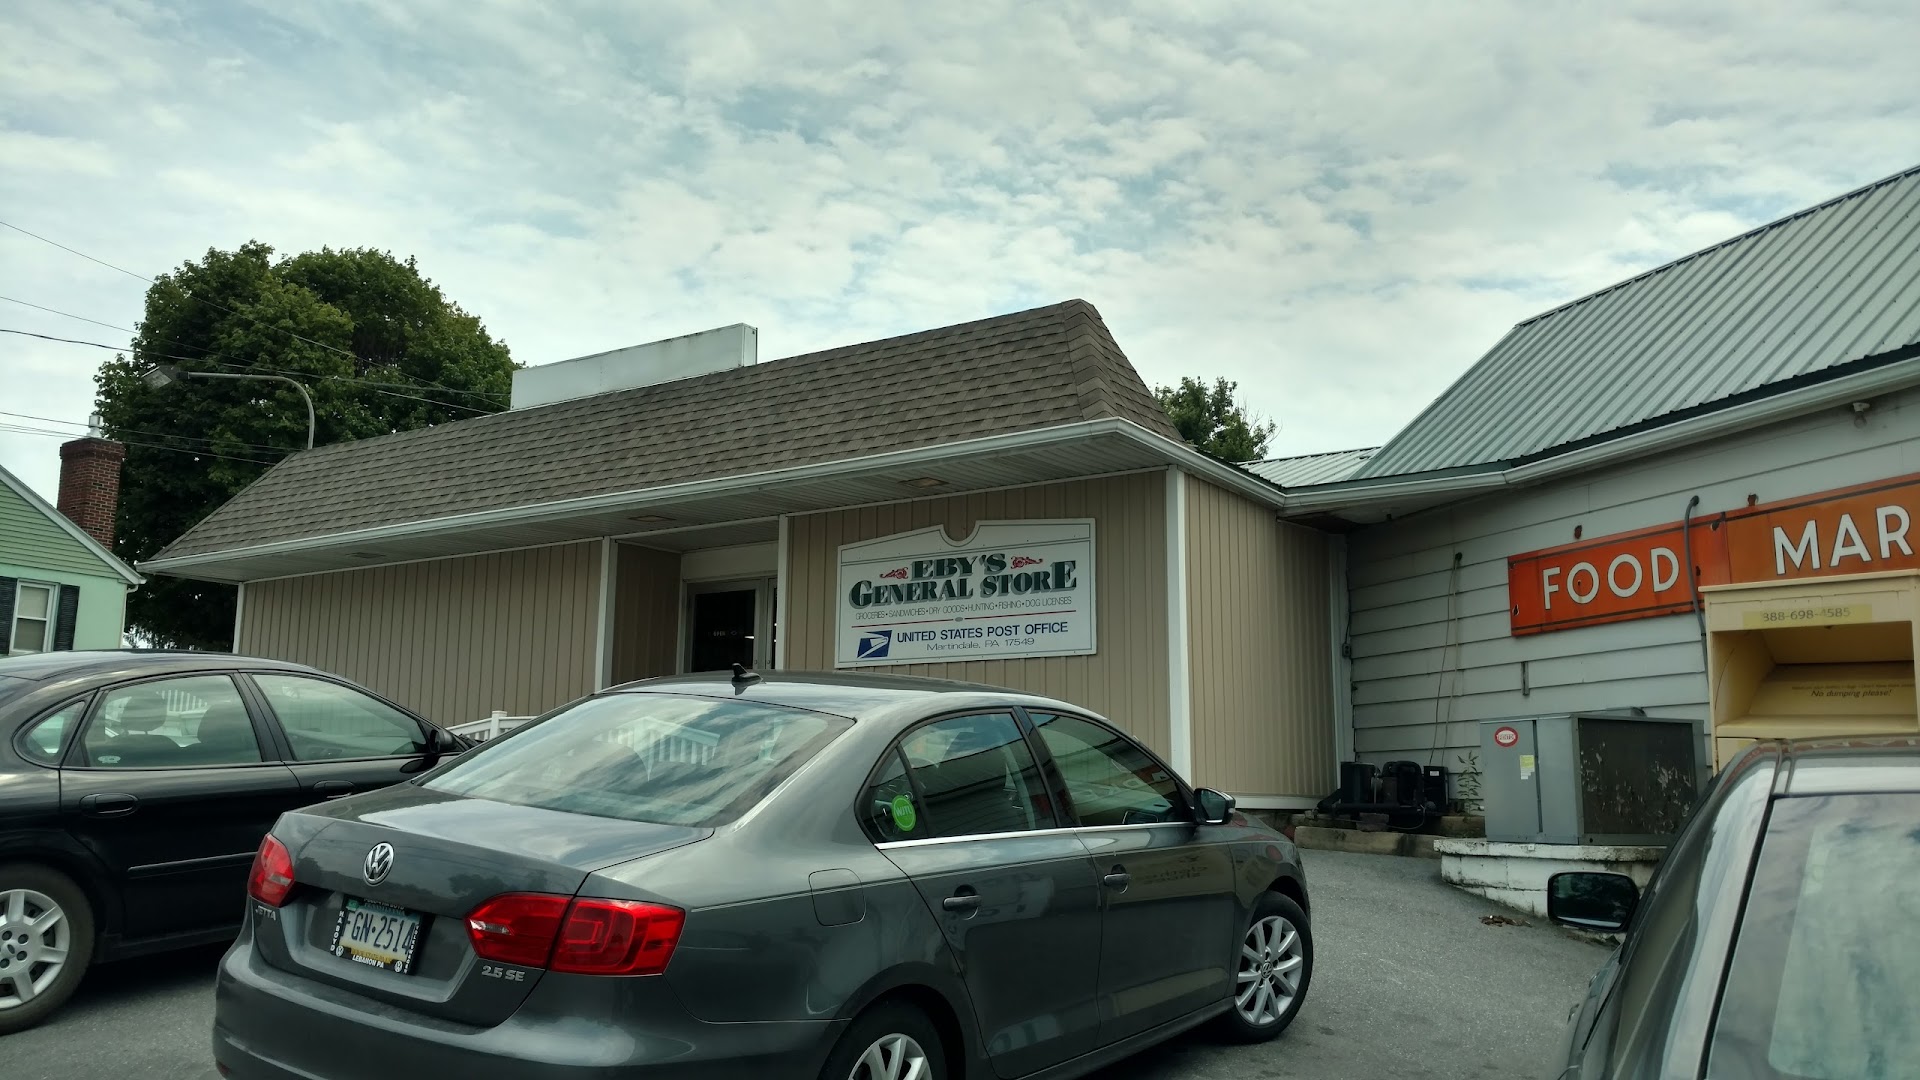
{"x": 161, "y": 376}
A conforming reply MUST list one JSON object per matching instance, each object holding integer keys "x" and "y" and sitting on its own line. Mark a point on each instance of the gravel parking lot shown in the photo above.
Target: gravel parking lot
{"x": 1408, "y": 982}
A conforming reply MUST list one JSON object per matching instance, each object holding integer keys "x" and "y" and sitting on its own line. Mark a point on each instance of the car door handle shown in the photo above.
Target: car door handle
{"x": 1119, "y": 879}
{"x": 962, "y": 901}
{"x": 333, "y": 789}
{"x": 109, "y": 804}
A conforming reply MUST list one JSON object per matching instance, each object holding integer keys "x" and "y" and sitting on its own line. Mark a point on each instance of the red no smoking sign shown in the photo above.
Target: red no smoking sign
{"x": 1505, "y": 736}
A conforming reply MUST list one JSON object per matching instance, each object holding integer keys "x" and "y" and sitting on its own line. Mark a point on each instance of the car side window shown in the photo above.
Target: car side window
{"x": 970, "y": 775}
{"x": 43, "y": 740}
{"x": 171, "y": 724}
{"x": 325, "y": 721}
{"x": 1109, "y": 779}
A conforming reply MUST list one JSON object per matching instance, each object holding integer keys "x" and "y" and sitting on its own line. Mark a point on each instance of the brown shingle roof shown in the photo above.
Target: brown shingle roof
{"x": 1032, "y": 369}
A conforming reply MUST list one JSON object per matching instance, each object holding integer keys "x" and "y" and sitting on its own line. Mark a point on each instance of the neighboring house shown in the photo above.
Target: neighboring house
{"x": 60, "y": 585}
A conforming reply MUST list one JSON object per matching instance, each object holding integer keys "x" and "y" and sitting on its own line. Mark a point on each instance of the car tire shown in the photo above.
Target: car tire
{"x": 1273, "y": 965}
{"x": 28, "y": 892}
{"x": 872, "y": 1048}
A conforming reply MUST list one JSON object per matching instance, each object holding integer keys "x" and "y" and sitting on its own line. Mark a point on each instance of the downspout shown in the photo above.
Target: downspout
{"x": 1693, "y": 578}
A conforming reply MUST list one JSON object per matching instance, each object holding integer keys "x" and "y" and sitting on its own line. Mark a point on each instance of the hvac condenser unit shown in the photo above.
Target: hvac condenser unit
{"x": 1589, "y": 778}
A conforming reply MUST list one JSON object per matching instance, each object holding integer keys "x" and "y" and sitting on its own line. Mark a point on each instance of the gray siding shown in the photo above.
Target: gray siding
{"x": 1126, "y": 680}
{"x": 452, "y": 639}
{"x": 1427, "y": 666}
{"x": 1261, "y": 648}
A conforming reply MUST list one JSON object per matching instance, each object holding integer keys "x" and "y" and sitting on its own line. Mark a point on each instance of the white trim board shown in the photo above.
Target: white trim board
{"x": 1179, "y": 659}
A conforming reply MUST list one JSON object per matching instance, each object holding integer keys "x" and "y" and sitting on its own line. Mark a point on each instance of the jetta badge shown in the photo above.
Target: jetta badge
{"x": 379, "y": 863}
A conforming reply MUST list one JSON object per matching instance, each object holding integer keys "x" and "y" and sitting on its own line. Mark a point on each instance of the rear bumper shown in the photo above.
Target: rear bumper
{"x": 274, "y": 1025}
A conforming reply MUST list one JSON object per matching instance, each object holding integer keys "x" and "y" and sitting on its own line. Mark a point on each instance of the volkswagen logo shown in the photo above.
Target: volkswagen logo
{"x": 379, "y": 863}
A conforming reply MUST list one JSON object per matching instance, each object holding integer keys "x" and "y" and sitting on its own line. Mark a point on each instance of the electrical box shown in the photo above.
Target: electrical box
{"x": 1614, "y": 777}
{"x": 1806, "y": 659}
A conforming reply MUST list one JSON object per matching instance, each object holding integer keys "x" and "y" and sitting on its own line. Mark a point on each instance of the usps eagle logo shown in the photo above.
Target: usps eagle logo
{"x": 873, "y": 645}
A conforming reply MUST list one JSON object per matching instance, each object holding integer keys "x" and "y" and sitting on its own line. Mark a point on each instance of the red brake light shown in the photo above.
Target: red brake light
{"x": 272, "y": 876}
{"x": 517, "y": 928}
{"x": 585, "y": 937}
{"x": 617, "y": 937}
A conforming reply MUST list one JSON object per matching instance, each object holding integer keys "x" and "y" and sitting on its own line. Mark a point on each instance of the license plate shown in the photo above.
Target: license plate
{"x": 377, "y": 935}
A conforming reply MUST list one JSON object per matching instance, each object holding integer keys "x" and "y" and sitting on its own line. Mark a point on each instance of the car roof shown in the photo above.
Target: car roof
{"x": 1848, "y": 765}
{"x": 35, "y": 667}
{"x": 849, "y": 694}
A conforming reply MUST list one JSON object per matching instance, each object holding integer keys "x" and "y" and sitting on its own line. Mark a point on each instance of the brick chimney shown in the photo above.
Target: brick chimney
{"x": 90, "y": 485}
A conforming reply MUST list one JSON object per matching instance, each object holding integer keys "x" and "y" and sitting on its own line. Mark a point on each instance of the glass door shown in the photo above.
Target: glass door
{"x": 727, "y": 623}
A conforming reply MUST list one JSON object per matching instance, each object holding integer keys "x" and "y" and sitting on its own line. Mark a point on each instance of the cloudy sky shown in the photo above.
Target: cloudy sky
{"x": 1339, "y": 205}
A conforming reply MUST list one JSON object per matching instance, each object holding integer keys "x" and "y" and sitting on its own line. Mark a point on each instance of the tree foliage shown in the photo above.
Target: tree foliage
{"x": 364, "y": 332}
{"x": 1213, "y": 421}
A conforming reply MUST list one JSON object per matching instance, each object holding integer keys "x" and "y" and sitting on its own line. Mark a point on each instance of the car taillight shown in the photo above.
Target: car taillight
{"x": 272, "y": 876}
{"x": 517, "y": 928}
{"x": 582, "y": 937}
{"x": 617, "y": 937}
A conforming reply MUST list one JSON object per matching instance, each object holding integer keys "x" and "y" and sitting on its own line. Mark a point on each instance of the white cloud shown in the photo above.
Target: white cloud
{"x": 1341, "y": 208}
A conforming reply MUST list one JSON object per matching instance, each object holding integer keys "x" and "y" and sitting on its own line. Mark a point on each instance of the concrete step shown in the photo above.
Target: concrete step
{"x": 1413, "y": 845}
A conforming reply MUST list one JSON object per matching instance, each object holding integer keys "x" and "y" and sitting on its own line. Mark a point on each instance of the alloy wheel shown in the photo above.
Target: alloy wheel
{"x": 34, "y": 939}
{"x": 892, "y": 1057}
{"x": 1271, "y": 962}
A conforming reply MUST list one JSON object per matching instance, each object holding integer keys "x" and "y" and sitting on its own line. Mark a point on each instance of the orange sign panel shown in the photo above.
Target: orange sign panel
{"x": 1851, "y": 531}
{"x": 1611, "y": 579}
{"x": 1641, "y": 574}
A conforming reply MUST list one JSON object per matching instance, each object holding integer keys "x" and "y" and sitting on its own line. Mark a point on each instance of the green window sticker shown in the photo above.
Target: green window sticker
{"x": 904, "y": 817}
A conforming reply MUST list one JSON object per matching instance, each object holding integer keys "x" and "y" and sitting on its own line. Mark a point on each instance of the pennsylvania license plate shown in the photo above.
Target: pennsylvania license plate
{"x": 377, "y": 935}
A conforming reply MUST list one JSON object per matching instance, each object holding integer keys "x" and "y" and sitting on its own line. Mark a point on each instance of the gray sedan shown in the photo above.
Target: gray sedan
{"x": 782, "y": 876}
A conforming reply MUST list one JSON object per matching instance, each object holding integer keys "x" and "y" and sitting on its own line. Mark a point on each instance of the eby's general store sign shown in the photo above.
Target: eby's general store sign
{"x": 1013, "y": 589}
{"x": 1643, "y": 574}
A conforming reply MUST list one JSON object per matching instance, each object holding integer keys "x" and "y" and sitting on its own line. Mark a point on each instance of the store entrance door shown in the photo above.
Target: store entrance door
{"x": 729, "y": 623}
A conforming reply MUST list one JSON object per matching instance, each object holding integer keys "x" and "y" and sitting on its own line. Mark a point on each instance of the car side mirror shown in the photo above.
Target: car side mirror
{"x": 1587, "y": 900}
{"x": 1215, "y": 807}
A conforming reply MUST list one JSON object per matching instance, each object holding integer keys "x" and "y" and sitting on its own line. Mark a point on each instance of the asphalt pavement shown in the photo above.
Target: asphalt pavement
{"x": 1407, "y": 982}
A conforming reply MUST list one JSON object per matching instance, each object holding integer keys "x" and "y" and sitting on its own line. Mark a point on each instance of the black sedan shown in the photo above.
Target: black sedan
{"x": 135, "y": 788}
{"x": 790, "y": 876}
{"x": 1777, "y": 940}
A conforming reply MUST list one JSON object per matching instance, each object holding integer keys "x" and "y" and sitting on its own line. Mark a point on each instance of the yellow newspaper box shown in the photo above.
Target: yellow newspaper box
{"x": 1806, "y": 659}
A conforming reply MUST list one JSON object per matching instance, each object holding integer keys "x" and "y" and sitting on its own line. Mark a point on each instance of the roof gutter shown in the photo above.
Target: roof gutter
{"x": 619, "y": 502}
{"x": 1386, "y": 490}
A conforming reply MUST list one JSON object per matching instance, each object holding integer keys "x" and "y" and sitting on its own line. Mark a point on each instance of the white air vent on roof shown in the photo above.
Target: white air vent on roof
{"x": 638, "y": 365}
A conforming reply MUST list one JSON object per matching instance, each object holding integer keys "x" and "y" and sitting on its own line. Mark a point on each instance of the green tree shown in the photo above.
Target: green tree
{"x": 1210, "y": 418}
{"x": 377, "y": 345}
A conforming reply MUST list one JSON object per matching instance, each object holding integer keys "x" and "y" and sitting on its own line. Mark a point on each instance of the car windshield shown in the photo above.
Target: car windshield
{"x": 1825, "y": 982}
{"x": 646, "y": 757}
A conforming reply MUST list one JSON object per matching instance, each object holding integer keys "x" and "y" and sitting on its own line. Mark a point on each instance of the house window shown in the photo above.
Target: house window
{"x": 32, "y": 617}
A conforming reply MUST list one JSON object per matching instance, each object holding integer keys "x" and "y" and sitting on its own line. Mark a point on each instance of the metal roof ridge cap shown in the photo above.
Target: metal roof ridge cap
{"x": 647, "y": 496}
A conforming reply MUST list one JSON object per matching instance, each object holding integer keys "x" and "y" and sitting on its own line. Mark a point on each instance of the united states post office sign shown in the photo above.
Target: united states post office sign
{"x": 1013, "y": 589}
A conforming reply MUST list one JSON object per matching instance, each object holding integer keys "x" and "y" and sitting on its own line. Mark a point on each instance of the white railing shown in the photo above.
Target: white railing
{"x": 491, "y": 728}
{"x": 653, "y": 746}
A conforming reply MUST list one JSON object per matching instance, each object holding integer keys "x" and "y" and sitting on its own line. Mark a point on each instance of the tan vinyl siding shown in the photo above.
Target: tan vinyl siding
{"x": 28, "y": 538}
{"x": 453, "y": 639}
{"x": 646, "y": 606}
{"x": 1261, "y": 648}
{"x": 1126, "y": 680}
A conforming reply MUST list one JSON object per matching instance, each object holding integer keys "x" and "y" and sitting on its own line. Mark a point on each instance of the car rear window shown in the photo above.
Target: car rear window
{"x": 646, "y": 757}
{"x": 1825, "y": 980}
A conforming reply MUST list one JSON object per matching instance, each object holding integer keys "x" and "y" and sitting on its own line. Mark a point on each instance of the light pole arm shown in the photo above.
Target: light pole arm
{"x": 304, "y": 396}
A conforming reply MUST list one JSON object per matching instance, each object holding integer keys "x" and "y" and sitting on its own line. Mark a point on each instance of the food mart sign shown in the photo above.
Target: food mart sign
{"x": 1012, "y": 589}
{"x": 1643, "y": 574}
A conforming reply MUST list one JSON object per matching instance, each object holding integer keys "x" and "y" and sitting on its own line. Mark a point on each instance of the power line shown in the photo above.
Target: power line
{"x": 71, "y": 251}
{"x": 26, "y": 430}
{"x": 67, "y": 314}
{"x": 118, "y": 431}
{"x": 215, "y": 303}
{"x": 252, "y": 367}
